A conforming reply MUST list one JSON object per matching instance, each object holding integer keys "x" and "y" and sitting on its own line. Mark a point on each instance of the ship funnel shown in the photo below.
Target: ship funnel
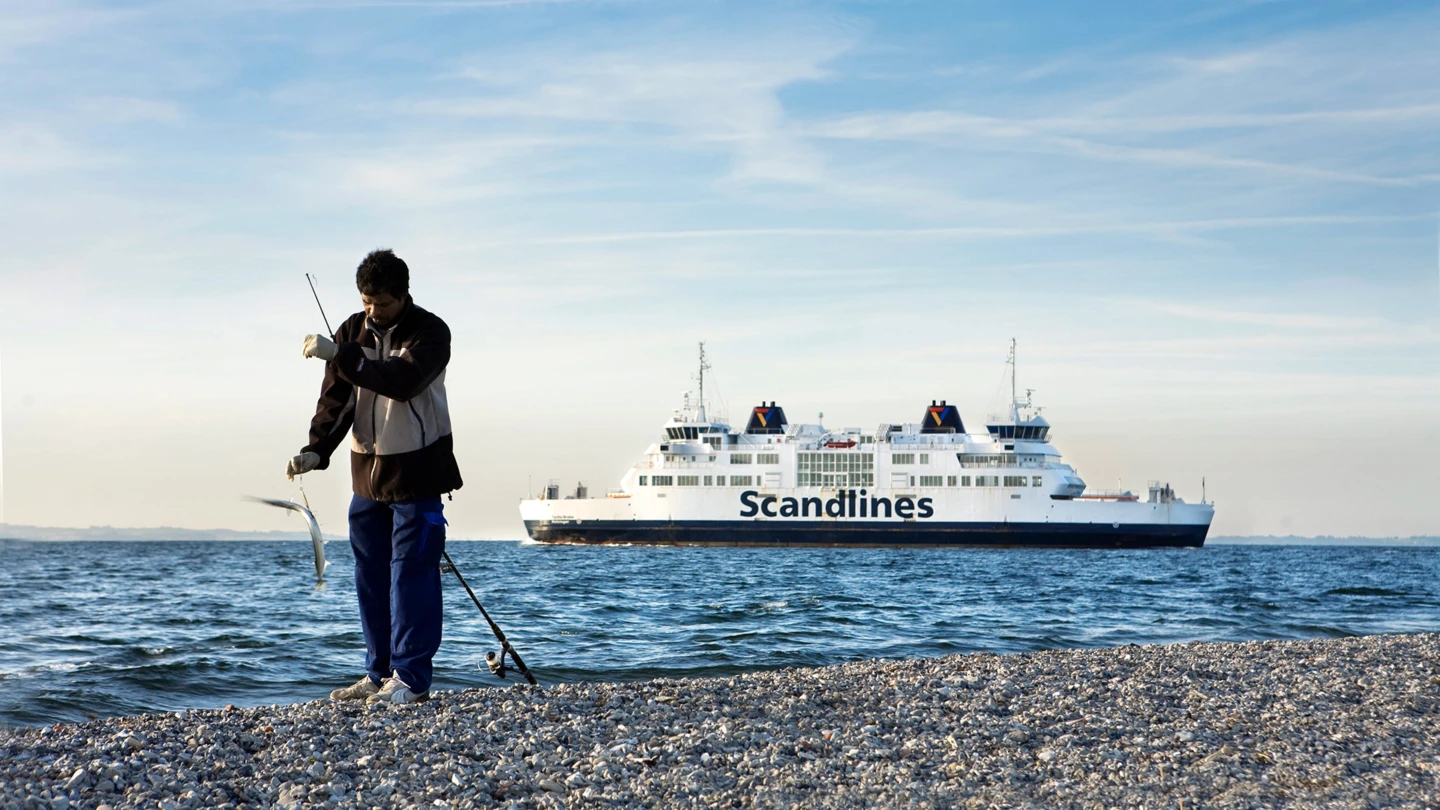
{"x": 941, "y": 418}
{"x": 766, "y": 419}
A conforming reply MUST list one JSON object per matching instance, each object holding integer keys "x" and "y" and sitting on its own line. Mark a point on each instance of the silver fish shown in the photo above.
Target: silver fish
{"x": 319, "y": 542}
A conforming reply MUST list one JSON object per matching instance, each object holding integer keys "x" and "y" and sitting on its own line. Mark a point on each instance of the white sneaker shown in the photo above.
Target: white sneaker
{"x": 362, "y": 689}
{"x": 394, "y": 690}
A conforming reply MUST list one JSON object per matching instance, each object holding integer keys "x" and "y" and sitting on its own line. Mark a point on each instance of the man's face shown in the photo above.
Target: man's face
{"x": 382, "y": 309}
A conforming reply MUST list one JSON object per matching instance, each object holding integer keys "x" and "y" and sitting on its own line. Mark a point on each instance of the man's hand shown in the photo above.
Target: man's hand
{"x": 321, "y": 347}
{"x": 305, "y": 462}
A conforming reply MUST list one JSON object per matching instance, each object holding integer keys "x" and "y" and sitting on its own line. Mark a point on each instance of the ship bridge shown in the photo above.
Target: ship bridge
{"x": 691, "y": 423}
{"x": 1034, "y": 429}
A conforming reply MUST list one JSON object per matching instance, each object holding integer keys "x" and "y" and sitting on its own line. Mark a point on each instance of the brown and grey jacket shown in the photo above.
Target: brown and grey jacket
{"x": 389, "y": 384}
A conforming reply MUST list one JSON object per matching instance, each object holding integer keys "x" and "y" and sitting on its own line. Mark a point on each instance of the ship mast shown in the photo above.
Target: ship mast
{"x": 703, "y": 367}
{"x": 1014, "y": 397}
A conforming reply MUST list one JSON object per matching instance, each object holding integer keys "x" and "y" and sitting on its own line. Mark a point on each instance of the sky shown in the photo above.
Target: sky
{"x": 1211, "y": 226}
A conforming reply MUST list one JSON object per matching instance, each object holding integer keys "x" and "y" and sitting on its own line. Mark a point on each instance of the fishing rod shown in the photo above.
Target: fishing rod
{"x": 309, "y": 279}
{"x": 496, "y": 663}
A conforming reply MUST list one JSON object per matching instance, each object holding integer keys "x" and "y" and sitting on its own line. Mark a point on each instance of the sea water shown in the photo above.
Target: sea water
{"x": 106, "y": 628}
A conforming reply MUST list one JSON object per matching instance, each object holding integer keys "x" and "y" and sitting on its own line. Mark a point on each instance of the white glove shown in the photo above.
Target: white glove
{"x": 303, "y": 463}
{"x": 321, "y": 347}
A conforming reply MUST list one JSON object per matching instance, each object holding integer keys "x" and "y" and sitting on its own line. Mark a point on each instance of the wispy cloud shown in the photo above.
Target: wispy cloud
{"x": 128, "y": 109}
{"x": 1283, "y": 320}
{"x": 416, "y": 5}
{"x": 27, "y": 24}
{"x": 955, "y": 233}
{"x": 34, "y": 149}
{"x": 1037, "y": 135}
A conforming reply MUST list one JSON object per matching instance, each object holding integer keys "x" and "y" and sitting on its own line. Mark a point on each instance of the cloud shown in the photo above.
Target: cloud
{"x": 34, "y": 149}
{"x": 28, "y": 25}
{"x": 417, "y": 5}
{"x": 1038, "y": 230}
{"x": 128, "y": 110}
{"x": 1037, "y": 135}
{"x": 1325, "y": 322}
{"x": 722, "y": 92}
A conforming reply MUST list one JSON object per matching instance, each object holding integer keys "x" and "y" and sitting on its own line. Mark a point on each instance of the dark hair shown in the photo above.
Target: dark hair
{"x": 383, "y": 272}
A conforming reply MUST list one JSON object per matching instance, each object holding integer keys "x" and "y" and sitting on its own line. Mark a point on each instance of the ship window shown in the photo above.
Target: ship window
{"x": 924, "y": 458}
{"x": 1016, "y": 481}
{"x": 740, "y": 458}
{"x": 643, "y": 480}
{"x": 688, "y": 481}
{"x": 987, "y": 480}
{"x": 979, "y": 460}
{"x": 949, "y": 480}
{"x": 964, "y": 480}
{"x": 663, "y": 480}
{"x": 719, "y": 480}
{"x": 902, "y": 458}
{"x": 834, "y": 468}
{"x": 931, "y": 480}
{"x": 767, "y": 458}
{"x": 741, "y": 480}
{"x": 708, "y": 480}
{"x": 1036, "y": 480}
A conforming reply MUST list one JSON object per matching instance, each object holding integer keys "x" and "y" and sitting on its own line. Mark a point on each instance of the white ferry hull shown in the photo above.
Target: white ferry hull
{"x": 1042, "y": 522}
{"x": 821, "y": 534}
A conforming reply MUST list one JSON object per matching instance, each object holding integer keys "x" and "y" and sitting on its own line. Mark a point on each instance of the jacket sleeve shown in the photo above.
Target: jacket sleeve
{"x": 400, "y": 377}
{"x": 334, "y": 414}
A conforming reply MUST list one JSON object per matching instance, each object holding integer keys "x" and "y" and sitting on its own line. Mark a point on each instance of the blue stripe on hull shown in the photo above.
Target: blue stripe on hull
{"x": 834, "y": 533}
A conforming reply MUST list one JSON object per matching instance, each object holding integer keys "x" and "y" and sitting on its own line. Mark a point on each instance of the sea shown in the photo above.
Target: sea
{"x": 94, "y": 629}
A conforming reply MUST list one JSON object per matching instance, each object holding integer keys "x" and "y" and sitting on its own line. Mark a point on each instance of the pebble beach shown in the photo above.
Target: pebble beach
{"x": 1351, "y": 722}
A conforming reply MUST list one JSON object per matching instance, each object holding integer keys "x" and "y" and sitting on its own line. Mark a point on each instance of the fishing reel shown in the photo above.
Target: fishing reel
{"x": 496, "y": 663}
{"x": 446, "y": 567}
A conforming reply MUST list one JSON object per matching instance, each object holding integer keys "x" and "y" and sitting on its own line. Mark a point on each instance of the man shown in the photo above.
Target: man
{"x": 385, "y": 376}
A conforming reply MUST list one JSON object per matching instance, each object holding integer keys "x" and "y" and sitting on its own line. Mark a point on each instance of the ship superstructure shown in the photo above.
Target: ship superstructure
{"x": 918, "y": 484}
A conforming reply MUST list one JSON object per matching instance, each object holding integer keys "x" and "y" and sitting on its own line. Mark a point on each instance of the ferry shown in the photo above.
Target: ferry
{"x": 927, "y": 483}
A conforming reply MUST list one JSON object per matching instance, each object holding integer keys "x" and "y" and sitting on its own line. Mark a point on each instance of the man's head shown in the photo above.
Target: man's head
{"x": 384, "y": 283}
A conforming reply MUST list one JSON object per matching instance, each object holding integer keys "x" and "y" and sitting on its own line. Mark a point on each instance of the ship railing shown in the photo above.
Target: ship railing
{"x": 1109, "y": 495}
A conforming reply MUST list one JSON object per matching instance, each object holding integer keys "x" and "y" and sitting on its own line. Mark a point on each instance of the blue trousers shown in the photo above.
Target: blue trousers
{"x": 397, "y": 577}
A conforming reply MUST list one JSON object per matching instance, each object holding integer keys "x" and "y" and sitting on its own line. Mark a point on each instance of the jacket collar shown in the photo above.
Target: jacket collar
{"x": 380, "y": 332}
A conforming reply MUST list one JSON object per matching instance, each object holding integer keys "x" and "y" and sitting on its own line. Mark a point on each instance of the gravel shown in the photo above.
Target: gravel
{"x": 1329, "y": 723}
